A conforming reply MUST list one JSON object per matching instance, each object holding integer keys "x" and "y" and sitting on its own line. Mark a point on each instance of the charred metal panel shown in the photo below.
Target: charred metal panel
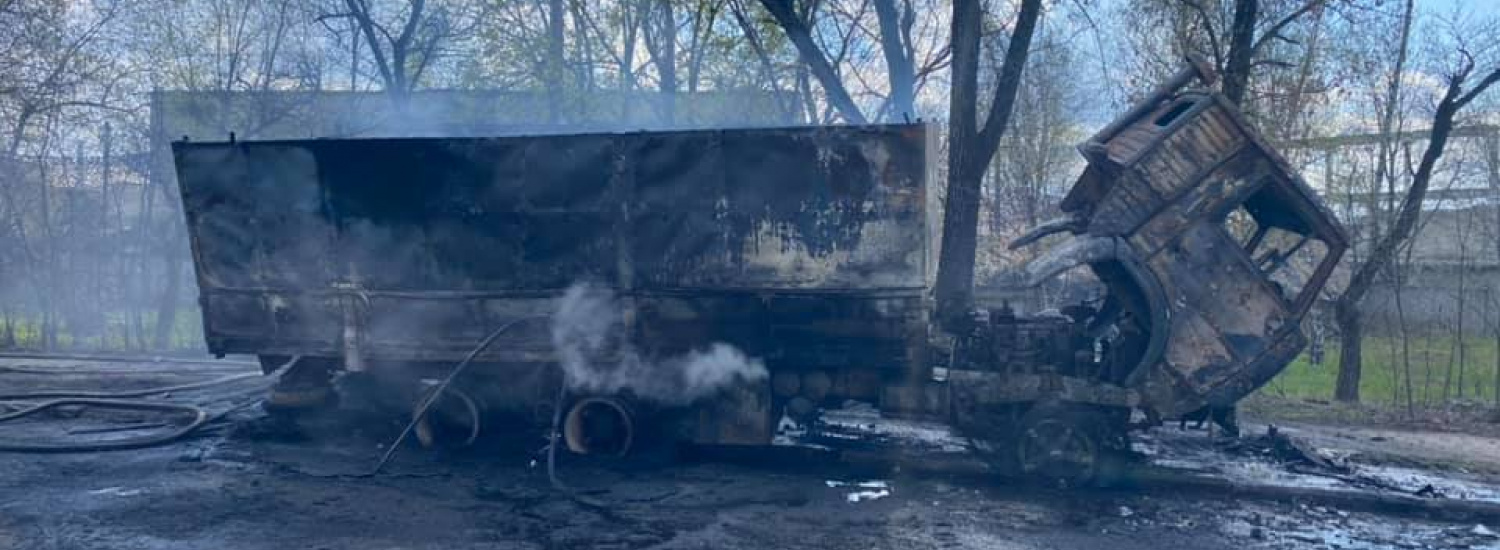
{"x": 1164, "y": 158}
{"x": 741, "y": 416}
{"x": 1191, "y": 220}
{"x": 1232, "y": 180}
{"x": 815, "y": 208}
{"x": 766, "y": 238}
{"x": 795, "y": 331}
{"x": 1125, "y": 206}
{"x": 976, "y": 389}
{"x": 1187, "y": 154}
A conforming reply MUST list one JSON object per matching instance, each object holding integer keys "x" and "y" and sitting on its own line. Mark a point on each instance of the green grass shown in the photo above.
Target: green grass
{"x": 187, "y": 333}
{"x": 1384, "y": 373}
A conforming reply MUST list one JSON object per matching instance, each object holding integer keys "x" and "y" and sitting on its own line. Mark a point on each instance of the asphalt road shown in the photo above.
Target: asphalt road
{"x": 241, "y": 485}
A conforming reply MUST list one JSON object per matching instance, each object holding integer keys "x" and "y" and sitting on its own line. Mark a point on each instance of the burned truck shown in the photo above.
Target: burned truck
{"x": 809, "y": 249}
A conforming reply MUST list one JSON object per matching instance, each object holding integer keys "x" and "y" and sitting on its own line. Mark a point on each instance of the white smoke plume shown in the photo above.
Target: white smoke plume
{"x": 597, "y": 356}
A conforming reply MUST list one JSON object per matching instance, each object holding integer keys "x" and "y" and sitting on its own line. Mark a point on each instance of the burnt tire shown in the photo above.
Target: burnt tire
{"x": 1069, "y": 445}
{"x": 453, "y": 422}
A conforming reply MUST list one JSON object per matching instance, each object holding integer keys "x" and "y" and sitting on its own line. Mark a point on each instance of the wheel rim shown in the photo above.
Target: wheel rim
{"x": 1060, "y": 451}
{"x": 453, "y": 421}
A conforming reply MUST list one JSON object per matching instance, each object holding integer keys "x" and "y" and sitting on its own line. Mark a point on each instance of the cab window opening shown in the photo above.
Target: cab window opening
{"x": 1176, "y": 112}
{"x": 1276, "y": 239}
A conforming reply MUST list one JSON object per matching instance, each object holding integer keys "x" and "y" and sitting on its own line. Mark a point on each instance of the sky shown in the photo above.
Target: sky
{"x": 1491, "y": 7}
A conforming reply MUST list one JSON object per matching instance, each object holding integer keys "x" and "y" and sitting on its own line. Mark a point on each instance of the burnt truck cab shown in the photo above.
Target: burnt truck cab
{"x": 1211, "y": 247}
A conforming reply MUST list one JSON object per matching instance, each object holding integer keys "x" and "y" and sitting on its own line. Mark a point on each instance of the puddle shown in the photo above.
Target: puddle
{"x": 861, "y": 423}
{"x": 1197, "y": 453}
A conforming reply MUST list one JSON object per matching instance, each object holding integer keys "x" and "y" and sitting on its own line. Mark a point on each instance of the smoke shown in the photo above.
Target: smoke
{"x": 597, "y": 356}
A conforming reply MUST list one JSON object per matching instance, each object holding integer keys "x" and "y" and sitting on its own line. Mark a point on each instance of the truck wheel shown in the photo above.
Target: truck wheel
{"x": 453, "y": 422}
{"x": 1067, "y": 445}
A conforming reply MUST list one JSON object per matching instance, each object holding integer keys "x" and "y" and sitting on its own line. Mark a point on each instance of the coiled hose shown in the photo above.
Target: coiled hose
{"x": 122, "y": 400}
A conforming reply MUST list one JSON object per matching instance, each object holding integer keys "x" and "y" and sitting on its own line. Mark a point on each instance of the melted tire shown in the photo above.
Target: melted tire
{"x": 1070, "y": 446}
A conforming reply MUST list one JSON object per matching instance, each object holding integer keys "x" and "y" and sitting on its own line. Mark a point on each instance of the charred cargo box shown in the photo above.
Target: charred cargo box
{"x": 807, "y": 247}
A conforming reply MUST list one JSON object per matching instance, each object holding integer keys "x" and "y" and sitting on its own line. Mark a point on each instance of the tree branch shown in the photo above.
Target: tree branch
{"x": 1411, "y": 206}
{"x": 1484, "y": 84}
{"x": 812, "y": 56}
{"x": 1213, "y": 34}
{"x": 1275, "y": 29}
{"x": 1009, "y": 82}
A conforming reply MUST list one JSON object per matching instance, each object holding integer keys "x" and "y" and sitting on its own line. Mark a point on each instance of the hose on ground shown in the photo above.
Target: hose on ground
{"x": 557, "y": 408}
{"x": 601, "y": 507}
{"x": 437, "y": 393}
{"x": 126, "y": 400}
{"x": 123, "y": 394}
{"x": 200, "y": 417}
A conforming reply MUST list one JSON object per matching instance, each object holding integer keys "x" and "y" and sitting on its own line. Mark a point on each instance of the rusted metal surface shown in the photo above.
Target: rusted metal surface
{"x": 1212, "y": 248}
{"x": 802, "y": 245}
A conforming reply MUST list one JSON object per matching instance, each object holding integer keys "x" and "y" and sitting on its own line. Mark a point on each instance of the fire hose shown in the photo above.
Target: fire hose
{"x": 437, "y": 392}
{"x": 123, "y": 400}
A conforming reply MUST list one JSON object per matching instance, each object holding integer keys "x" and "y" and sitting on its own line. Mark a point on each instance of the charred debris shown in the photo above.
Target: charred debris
{"x": 720, "y": 287}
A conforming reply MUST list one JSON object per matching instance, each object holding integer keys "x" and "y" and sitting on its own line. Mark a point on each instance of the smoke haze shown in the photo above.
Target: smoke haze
{"x": 597, "y": 356}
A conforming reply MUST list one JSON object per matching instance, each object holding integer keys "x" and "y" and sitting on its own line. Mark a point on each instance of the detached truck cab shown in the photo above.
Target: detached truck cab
{"x": 1212, "y": 246}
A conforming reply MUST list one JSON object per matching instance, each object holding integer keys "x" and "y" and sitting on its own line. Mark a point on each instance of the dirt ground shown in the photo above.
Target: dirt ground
{"x": 1459, "y": 438}
{"x": 238, "y": 485}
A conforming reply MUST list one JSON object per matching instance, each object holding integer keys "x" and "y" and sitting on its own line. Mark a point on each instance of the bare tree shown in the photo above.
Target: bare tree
{"x": 405, "y": 44}
{"x": 1463, "y": 86}
{"x": 661, "y": 42}
{"x": 1236, "y": 65}
{"x": 971, "y": 145}
{"x": 895, "y": 34}
{"x": 799, "y": 31}
{"x": 1235, "y": 35}
{"x": 896, "y": 46}
{"x": 53, "y": 70}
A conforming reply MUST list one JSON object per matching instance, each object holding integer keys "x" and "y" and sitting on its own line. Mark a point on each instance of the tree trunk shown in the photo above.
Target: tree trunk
{"x": 955, "y": 278}
{"x": 1492, "y": 161}
{"x": 354, "y": 56}
{"x": 166, "y": 311}
{"x": 1463, "y": 267}
{"x": 554, "y": 63}
{"x": 970, "y": 149}
{"x": 8, "y": 336}
{"x": 1454, "y": 99}
{"x": 767, "y": 68}
{"x": 1351, "y": 335}
{"x": 902, "y": 74}
{"x": 1385, "y": 250}
{"x": 661, "y": 40}
{"x": 1400, "y": 283}
{"x": 627, "y": 58}
{"x": 1241, "y": 50}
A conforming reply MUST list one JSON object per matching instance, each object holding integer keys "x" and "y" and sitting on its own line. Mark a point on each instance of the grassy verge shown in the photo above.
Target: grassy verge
{"x": 1434, "y": 364}
{"x": 116, "y": 334}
